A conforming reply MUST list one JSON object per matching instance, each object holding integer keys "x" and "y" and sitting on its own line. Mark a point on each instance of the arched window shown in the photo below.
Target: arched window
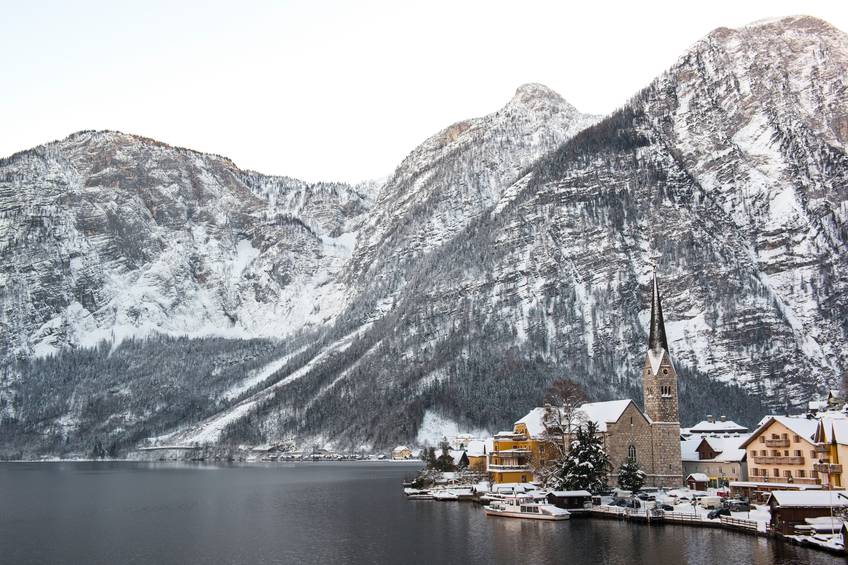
{"x": 631, "y": 452}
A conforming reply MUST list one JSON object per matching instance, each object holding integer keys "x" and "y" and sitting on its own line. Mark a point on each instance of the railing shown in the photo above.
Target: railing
{"x": 684, "y": 518}
{"x": 738, "y": 523}
{"x": 828, "y": 468}
{"x": 509, "y": 467}
{"x": 778, "y": 460}
{"x": 782, "y": 442}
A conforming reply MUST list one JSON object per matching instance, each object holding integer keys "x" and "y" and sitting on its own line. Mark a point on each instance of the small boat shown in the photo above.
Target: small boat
{"x": 525, "y": 507}
{"x": 444, "y": 495}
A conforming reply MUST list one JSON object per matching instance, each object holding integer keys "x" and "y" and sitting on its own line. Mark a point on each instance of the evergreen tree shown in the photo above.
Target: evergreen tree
{"x": 444, "y": 462}
{"x": 630, "y": 476}
{"x": 586, "y": 465}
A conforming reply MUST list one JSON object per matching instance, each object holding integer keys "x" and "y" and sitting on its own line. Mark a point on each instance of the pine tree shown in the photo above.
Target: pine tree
{"x": 630, "y": 476}
{"x": 586, "y": 465}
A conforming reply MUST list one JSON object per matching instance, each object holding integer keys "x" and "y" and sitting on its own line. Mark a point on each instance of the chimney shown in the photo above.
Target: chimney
{"x": 710, "y": 418}
{"x": 723, "y": 418}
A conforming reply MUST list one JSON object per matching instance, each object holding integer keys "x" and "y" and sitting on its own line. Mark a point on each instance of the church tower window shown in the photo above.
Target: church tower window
{"x": 631, "y": 452}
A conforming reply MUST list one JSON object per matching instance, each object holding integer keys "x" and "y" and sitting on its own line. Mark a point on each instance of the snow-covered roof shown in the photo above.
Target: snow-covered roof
{"x": 699, "y": 477}
{"x": 400, "y": 448}
{"x": 755, "y": 484}
{"x": 727, "y": 446}
{"x": 835, "y": 426}
{"x": 799, "y": 425}
{"x": 534, "y": 420}
{"x": 603, "y": 413}
{"x": 808, "y": 499}
{"x": 689, "y": 448}
{"x": 565, "y": 493}
{"x": 477, "y": 448}
{"x": 705, "y": 426}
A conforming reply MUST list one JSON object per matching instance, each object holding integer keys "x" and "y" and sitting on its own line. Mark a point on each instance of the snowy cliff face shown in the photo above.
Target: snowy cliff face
{"x": 730, "y": 171}
{"x": 106, "y": 235}
{"x": 450, "y": 180}
{"x": 505, "y": 251}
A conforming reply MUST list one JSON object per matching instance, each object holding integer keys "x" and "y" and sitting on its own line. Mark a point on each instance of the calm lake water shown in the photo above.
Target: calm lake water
{"x": 115, "y": 513}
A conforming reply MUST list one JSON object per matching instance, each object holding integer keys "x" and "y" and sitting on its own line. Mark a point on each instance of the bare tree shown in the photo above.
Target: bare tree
{"x": 561, "y": 419}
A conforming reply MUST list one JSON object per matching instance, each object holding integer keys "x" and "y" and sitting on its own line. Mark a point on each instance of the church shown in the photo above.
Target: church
{"x": 651, "y": 436}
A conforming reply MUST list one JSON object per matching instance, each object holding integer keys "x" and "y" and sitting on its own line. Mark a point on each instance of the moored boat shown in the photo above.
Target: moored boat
{"x": 525, "y": 507}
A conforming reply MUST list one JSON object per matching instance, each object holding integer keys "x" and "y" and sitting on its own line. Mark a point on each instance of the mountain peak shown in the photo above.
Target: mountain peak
{"x": 538, "y": 97}
{"x": 533, "y": 91}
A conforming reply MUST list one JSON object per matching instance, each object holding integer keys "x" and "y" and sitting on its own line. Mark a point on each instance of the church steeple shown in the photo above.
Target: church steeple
{"x": 659, "y": 378}
{"x": 656, "y": 338}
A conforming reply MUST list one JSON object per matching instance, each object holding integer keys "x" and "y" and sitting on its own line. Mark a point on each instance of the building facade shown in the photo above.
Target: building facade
{"x": 798, "y": 450}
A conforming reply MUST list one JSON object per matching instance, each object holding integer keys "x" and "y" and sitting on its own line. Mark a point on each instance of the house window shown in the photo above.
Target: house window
{"x": 785, "y": 436}
{"x": 762, "y": 439}
{"x": 797, "y": 453}
{"x": 776, "y": 472}
{"x": 631, "y": 452}
{"x": 814, "y": 474}
{"x": 788, "y": 474}
{"x": 796, "y": 439}
{"x": 775, "y": 436}
{"x": 812, "y": 454}
{"x": 802, "y": 473}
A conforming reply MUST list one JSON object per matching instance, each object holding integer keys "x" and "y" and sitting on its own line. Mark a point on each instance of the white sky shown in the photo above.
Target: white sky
{"x": 330, "y": 90}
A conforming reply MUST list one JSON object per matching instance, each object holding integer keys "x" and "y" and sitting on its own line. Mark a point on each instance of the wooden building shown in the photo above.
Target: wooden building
{"x": 792, "y": 508}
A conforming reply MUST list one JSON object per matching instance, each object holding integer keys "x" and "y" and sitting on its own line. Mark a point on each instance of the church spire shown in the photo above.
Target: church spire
{"x": 656, "y": 338}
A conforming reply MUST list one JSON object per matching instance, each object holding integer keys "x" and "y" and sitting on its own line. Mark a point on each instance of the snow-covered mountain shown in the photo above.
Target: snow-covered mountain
{"x": 503, "y": 252}
{"x": 107, "y": 235}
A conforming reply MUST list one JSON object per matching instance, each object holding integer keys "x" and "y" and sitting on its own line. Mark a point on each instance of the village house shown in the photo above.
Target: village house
{"x": 651, "y": 437}
{"x": 401, "y": 452}
{"x": 798, "y": 450}
{"x": 719, "y": 457}
{"x": 791, "y": 508}
{"x": 833, "y": 401}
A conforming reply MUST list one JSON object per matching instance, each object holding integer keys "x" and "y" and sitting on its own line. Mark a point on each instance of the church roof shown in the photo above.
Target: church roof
{"x": 602, "y": 413}
{"x": 656, "y": 338}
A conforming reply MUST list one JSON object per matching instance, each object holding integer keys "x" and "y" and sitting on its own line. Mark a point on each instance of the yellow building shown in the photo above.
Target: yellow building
{"x": 798, "y": 450}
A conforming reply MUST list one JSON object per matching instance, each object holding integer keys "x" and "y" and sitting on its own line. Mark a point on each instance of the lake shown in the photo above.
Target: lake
{"x": 162, "y": 513}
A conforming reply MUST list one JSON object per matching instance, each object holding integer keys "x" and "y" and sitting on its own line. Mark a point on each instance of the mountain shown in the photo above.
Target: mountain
{"x": 115, "y": 237}
{"x": 107, "y": 235}
{"x": 727, "y": 172}
{"x": 503, "y": 252}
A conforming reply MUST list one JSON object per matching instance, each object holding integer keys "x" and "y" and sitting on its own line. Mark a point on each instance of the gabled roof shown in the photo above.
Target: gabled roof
{"x": 400, "y": 448}
{"x": 602, "y": 413}
{"x": 799, "y": 425}
{"x": 698, "y": 477}
{"x": 727, "y": 447}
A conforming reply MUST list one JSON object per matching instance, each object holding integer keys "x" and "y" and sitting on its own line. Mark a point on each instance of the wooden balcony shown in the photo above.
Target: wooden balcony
{"x": 781, "y": 442}
{"x": 828, "y": 468}
{"x": 778, "y": 460}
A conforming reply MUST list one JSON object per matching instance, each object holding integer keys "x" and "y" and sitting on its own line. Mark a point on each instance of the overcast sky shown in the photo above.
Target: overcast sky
{"x": 330, "y": 90}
